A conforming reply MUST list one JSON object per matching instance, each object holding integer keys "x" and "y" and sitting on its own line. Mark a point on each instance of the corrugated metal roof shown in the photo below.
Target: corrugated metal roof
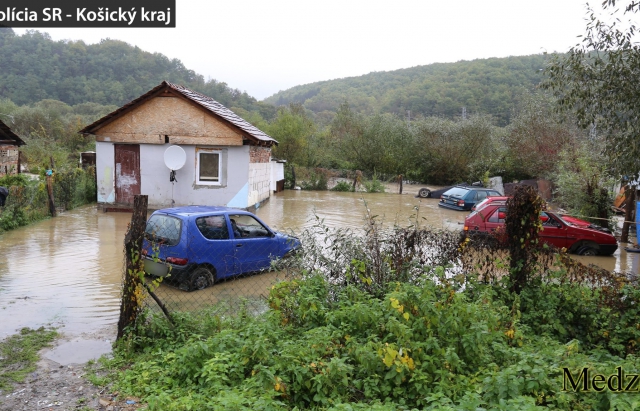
{"x": 7, "y": 134}
{"x": 204, "y": 101}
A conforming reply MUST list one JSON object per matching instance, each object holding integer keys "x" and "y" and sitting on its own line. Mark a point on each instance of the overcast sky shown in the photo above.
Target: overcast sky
{"x": 263, "y": 46}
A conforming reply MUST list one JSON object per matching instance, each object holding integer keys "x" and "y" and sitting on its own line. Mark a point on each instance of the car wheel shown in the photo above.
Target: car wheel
{"x": 424, "y": 193}
{"x": 200, "y": 279}
{"x": 588, "y": 251}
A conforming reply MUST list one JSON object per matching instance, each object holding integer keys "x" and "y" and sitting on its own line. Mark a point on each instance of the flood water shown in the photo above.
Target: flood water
{"x": 67, "y": 271}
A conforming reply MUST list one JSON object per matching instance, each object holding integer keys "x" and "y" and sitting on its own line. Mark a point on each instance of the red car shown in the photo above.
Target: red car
{"x": 574, "y": 236}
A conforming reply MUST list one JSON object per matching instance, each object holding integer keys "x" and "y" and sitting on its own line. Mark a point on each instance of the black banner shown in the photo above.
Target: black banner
{"x": 83, "y": 13}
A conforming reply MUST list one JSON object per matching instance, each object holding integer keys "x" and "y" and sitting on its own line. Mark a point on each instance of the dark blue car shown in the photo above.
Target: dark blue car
{"x": 465, "y": 197}
{"x": 198, "y": 245}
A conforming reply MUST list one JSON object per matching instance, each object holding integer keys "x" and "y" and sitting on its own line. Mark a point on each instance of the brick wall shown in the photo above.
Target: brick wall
{"x": 259, "y": 154}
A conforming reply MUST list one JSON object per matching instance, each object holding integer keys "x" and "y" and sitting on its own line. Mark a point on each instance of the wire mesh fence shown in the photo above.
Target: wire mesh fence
{"x": 220, "y": 261}
{"x": 212, "y": 258}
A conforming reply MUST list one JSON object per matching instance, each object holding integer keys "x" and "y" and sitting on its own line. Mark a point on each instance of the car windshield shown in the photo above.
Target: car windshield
{"x": 559, "y": 218}
{"x": 162, "y": 228}
{"x": 458, "y": 192}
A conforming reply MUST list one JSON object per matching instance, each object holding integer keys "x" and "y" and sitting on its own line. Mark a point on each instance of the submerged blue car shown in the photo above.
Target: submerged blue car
{"x": 199, "y": 245}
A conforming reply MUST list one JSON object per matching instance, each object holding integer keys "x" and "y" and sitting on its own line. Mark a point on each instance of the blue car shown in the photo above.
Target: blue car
{"x": 195, "y": 246}
{"x": 465, "y": 197}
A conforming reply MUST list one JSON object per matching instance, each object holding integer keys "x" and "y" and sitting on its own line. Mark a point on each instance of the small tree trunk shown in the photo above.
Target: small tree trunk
{"x": 293, "y": 179}
{"x": 629, "y": 202}
{"x": 130, "y": 303}
{"x": 400, "y": 184}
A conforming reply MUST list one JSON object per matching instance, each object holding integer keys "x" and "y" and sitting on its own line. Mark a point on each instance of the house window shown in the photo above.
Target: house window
{"x": 209, "y": 167}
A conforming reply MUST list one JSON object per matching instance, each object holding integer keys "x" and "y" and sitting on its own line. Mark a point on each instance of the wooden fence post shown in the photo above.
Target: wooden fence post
{"x": 400, "y": 184}
{"x": 132, "y": 287}
{"x": 52, "y": 205}
{"x": 293, "y": 174}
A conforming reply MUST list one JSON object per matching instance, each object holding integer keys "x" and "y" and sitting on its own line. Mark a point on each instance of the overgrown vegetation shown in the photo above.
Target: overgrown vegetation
{"x": 19, "y": 354}
{"x": 397, "y": 319}
{"x": 584, "y": 184}
{"x": 28, "y": 201}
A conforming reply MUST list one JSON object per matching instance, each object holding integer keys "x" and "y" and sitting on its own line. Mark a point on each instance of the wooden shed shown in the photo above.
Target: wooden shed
{"x": 9, "y": 151}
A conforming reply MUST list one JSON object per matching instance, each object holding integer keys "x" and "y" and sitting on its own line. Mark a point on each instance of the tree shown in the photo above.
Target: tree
{"x": 598, "y": 81}
{"x": 535, "y": 138}
{"x": 292, "y": 128}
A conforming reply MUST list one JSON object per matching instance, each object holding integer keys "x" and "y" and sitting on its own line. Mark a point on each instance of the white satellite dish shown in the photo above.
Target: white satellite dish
{"x": 175, "y": 157}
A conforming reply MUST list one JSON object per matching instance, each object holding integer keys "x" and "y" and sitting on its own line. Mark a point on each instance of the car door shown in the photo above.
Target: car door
{"x": 480, "y": 195}
{"x": 553, "y": 231}
{"x": 254, "y": 243}
{"x": 212, "y": 244}
{"x": 495, "y": 220}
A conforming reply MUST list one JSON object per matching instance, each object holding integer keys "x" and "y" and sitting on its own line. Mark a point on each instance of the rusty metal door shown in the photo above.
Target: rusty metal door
{"x": 127, "y": 158}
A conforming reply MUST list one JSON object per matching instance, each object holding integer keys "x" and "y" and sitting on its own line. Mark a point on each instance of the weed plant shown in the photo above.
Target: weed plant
{"x": 342, "y": 186}
{"x": 439, "y": 345}
{"x": 374, "y": 185}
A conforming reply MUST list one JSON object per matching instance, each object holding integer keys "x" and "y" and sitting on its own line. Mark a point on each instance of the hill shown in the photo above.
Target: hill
{"x": 485, "y": 86}
{"x": 33, "y": 67}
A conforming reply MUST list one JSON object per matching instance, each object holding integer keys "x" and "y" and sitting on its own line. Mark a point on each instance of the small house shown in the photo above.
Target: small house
{"x": 9, "y": 151}
{"x": 228, "y": 160}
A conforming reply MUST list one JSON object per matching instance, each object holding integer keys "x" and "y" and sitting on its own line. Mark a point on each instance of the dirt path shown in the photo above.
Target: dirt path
{"x": 53, "y": 386}
{"x": 62, "y": 380}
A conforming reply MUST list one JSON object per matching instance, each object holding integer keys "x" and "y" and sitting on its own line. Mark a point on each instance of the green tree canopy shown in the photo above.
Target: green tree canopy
{"x": 598, "y": 81}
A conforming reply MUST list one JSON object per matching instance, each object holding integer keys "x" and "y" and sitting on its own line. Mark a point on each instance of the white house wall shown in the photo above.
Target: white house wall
{"x": 154, "y": 177}
{"x": 277, "y": 174}
{"x": 259, "y": 182}
{"x": 259, "y": 174}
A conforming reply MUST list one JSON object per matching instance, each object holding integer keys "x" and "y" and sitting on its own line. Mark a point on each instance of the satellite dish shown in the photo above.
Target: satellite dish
{"x": 175, "y": 157}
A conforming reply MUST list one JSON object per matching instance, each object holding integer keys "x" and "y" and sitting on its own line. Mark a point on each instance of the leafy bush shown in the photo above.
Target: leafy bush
{"x": 10, "y": 180}
{"x": 583, "y": 184}
{"x": 415, "y": 347}
{"x": 342, "y": 186}
{"x": 28, "y": 200}
{"x": 317, "y": 179}
{"x": 374, "y": 185}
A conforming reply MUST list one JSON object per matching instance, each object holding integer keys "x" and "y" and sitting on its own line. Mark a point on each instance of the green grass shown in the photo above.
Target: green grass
{"x": 19, "y": 354}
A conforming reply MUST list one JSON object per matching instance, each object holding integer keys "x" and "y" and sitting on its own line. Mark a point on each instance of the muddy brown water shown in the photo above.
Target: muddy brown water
{"x": 66, "y": 271}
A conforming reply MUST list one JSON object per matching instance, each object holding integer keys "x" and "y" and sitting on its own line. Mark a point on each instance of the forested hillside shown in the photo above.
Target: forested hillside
{"x": 488, "y": 86}
{"x": 33, "y": 67}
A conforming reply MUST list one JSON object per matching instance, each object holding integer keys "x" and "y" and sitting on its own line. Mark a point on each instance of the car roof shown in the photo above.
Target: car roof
{"x": 474, "y": 188}
{"x": 196, "y": 210}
